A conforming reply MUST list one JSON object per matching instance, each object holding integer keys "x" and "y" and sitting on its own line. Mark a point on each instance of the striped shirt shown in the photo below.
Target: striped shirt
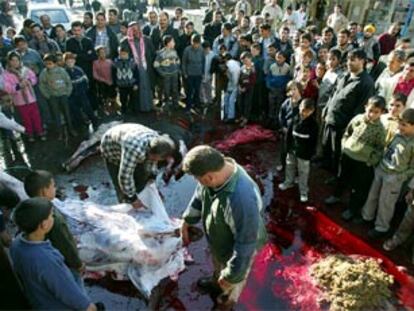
{"x": 127, "y": 145}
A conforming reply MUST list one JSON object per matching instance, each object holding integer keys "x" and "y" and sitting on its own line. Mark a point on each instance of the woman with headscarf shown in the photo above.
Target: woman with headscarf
{"x": 142, "y": 51}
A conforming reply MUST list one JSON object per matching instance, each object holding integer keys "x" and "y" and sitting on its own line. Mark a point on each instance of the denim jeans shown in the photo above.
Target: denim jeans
{"x": 228, "y": 107}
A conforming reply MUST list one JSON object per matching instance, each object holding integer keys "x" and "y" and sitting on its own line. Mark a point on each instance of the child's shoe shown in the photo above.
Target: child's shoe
{"x": 285, "y": 186}
{"x": 304, "y": 198}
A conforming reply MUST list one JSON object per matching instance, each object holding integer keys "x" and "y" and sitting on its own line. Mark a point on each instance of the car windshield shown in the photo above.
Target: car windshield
{"x": 57, "y": 16}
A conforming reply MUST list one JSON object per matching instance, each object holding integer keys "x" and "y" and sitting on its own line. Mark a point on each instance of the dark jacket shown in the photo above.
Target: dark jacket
{"x": 184, "y": 40}
{"x": 288, "y": 49}
{"x": 287, "y": 113}
{"x": 113, "y": 40}
{"x": 193, "y": 61}
{"x": 303, "y": 137}
{"x": 79, "y": 81}
{"x": 211, "y": 32}
{"x": 51, "y": 46}
{"x": 348, "y": 99}
{"x": 85, "y": 52}
{"x": 63, "y": 240}
{"x": 156, "y": 36}
{"x": 5, "y": 48}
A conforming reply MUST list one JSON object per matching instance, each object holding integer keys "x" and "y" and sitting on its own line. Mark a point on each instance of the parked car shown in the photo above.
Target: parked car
{"x": 58, "y": 14}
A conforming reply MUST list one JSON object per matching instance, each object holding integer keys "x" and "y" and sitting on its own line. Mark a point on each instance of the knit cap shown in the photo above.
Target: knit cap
{"x": 370, "y": 28}
{"x": 30, "y": 213}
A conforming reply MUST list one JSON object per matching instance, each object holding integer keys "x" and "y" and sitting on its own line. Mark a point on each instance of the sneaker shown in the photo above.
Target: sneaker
{"x": 43, "y": 137}
{"x": 347, "y": 215}
{"x": 31, "y": 139}
{"x": 390, "y": 245}
{"x": 332, "y": 200}
{"x": 285, "y": 186}
{"x": 304, "y": 198}
{"x": 375, "y": 234}
{"x": 279, "y": 168}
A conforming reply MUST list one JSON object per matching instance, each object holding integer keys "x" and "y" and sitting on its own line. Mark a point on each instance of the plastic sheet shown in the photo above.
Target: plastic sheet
{"x": 14, "y": 184}
{"x": 249, "y": 134}
{"x": 142, "y": 246}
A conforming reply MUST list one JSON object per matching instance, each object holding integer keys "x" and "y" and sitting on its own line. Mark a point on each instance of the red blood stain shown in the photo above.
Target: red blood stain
{"x": 82, "y": 191}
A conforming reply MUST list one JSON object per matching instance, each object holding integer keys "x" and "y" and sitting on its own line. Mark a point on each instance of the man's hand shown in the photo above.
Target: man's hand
{"x": 82, "y": 269}
{"x": 92, "y": 307}
{"x": 5, "y": 238}
{"x": 137, "y": 204}
{"x": 225, "y": 285}
{"x": 184, "y": 234}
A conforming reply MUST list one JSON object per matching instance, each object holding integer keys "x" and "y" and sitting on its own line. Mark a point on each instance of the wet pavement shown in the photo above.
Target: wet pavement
{"x": 278, "y": 278}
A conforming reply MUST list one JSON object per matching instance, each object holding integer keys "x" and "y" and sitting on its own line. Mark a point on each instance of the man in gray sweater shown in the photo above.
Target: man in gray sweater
{"x": 192, "y": 65}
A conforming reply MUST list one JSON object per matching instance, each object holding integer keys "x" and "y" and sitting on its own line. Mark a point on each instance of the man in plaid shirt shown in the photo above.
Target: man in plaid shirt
{"x": 130, "y": 151}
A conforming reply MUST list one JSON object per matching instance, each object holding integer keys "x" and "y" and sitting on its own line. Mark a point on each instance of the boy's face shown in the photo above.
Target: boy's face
{"x": 408, "y": 72}
{"x": 342, "y": 39}
{"x": 49, "y": 192}
{"x": 171, "y": 44}
{"x": 327, "y": 37}
{"x": 294, "y": 92}
{"x": 271, "y": 51}
{"x": 254, "y": 51}
{"x": 101, "y": 53}
{"x": 49, "y": 64}
{"x": 123, "y": 55}
{"x": 124, "y": 30}
{"x": 47, "y": 224}
{"x": 372, "y": 113}
{"x": 305, "y": 74}
{"x": 280, "y": 59}
{"x": 405, "y": 128}
{"x": 332, "y": 62}
{"x": 320, "y": 71}
{"x": 305, "y": 112}
{"x": 70, "y": 62}
{"x": 59, "y": 61}
{"x": 306, "y": 60}
{"x": 304, "y": 44}
{"x": 323, "y": 54}
{"x": 394, "y": 64}
{"x": 247, "y": 61}
{"x": 284, "y": 35}
{"x": 396, "y": 107}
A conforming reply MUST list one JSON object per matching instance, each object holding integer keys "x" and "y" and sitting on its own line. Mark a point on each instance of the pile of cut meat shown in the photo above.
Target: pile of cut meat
{"x": 353, "y": 283}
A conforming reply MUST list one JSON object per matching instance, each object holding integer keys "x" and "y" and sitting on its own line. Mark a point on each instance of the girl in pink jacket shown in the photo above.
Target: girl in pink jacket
{"x": 18, "y": 82}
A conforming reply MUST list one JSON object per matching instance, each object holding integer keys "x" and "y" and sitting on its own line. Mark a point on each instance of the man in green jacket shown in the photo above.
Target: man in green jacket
{"x": 228, "y": 203}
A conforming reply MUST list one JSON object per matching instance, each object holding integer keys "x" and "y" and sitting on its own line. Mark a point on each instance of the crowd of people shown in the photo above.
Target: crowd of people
{"x": 341, "y": 97}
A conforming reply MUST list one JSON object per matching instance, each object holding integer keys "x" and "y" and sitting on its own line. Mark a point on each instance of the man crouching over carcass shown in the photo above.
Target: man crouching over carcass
{"x": 131, "y": 152}
{"x": 229, "y": 204}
